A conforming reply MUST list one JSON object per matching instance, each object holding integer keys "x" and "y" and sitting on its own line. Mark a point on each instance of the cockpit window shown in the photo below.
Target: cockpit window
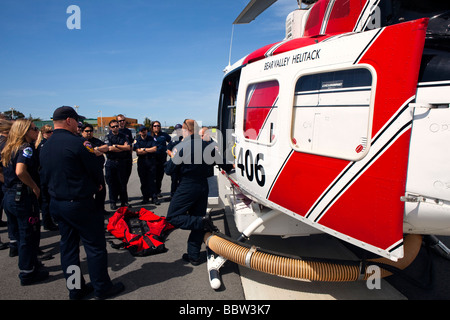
{"x": 260, "y": 111}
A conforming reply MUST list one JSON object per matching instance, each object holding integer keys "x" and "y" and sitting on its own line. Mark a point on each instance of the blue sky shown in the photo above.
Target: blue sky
{"x": 143, "y": 58}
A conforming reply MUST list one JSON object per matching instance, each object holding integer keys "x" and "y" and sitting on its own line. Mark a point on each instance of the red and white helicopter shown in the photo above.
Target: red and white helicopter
{"x": 342, "y": 127}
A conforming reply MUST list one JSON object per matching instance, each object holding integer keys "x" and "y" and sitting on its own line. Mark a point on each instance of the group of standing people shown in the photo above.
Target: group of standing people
{"x": 150, "y": 147}
{"x": 64, "y": 176}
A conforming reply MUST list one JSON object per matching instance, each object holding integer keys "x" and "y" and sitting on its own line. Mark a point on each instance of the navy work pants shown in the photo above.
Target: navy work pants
{"x": 116, "y": 175}
{"x": 159, "y": 171}
{"x": 99, "y": 198}
{"x": 146, "y": 170}
{"x": 24, "y": 227}
{"x": 187, "y": 209}
{"x": 78, "y": 219}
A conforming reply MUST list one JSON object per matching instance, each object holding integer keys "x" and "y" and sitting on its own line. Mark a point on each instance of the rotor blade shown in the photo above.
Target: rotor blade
{"x": 252, "y": 10}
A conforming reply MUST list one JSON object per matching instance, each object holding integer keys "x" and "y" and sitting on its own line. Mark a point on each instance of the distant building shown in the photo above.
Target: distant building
{"x": 104, "y": 121}
{"x": 97, "y": 123}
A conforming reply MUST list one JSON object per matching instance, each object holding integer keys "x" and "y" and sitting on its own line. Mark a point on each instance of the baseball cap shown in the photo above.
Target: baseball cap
{"x": 65, "y": 112}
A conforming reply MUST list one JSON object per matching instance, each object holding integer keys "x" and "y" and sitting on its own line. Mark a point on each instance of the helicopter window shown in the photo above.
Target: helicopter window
{"x": 315, "y": 19}
{"x": 332, "y": 113}
{"x": 344, "y": 16}
{"x": 261, "y": 111}
{"x": 227, "y": 114}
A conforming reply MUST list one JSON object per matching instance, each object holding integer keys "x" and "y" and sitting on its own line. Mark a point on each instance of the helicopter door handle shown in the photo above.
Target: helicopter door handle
{"x": 429, "y": 105}
{"x": 412, "y": 198}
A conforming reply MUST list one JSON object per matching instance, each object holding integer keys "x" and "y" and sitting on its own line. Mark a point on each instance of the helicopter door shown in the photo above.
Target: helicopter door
{"x": 332, "y": 113}
{"x": 227, "y": 115}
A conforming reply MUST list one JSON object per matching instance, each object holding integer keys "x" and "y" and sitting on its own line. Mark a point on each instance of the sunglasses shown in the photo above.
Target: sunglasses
{"x": 120, "y": 120}
{"x": 156, "y": 126}
{"x": 114, "y": 127}
{"x": 49, "y": 131}
{"x": 87, "y": 131}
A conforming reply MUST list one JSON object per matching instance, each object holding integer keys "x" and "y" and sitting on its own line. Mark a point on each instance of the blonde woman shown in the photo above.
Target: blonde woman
{"x": 5, "y": 126}
{"x": 20, "y": 171}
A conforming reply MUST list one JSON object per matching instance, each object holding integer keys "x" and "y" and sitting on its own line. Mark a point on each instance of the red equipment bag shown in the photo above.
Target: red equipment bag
{"x": 143, "y": 233}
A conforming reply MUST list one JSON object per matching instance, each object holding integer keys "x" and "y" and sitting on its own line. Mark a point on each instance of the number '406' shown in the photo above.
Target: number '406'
{"x": 251, "y": 167}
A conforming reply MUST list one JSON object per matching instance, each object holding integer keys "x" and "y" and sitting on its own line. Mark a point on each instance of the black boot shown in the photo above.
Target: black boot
{"x": 42, "y": 256}
{"x": 194, "y": 262}
{"x": 13, "y": 251}
{"x": 156, "y": 201}
{"x": 114, "y": 290}
{"x": 34, "y": 277}
{"x": 79, "y": 294}
{"x": 208, "y": 225}
{"x": 50, "y": 226}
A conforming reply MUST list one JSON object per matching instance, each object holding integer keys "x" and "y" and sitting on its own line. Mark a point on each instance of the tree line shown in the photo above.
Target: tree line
{"x": 15, "y": 114}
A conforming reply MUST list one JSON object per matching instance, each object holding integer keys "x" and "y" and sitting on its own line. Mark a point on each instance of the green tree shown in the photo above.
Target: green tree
{"x": 13, "y": 114}
{"x": 30, "y": 117}
{"x": 147, "y": 122}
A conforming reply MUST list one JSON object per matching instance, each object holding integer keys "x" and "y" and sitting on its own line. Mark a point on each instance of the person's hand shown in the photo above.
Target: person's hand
{"x": 37, "y": 192}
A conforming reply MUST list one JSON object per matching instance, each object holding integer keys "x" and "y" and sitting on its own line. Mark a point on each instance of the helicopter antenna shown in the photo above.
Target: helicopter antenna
{"x": 231, "y": 44}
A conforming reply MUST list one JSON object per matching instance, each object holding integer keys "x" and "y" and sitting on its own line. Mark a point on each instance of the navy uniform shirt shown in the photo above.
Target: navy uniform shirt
{"x": 26, "y": 155}
{"x": 43, "y": 141}
{"x": 127, "y": 133}
{"x": 39, "y": 147}
{"x": 174, "y": 141}
{"x": 97, "y": 143}
{"x": 189, "y": 163}
{"x": 161, "y": 141}
{"x": 120, "y": 139}
{"x": 69, "y": 168}
{"x": 148, "y": 142}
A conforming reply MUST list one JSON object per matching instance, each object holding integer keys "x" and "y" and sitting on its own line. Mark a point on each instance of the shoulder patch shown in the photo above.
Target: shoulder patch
{"x": 27, "y": 152}
{"x": 88, "y": 146}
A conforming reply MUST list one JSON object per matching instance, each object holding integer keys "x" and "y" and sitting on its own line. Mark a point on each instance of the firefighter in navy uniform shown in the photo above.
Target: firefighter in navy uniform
{"x": 122, "y": 121}
{"x": 116, "y": 167}
{"x": 175, "y": 177}
{"x": 187, "y": 210}
{"x": 71, "y": 175}
{"x": 145, "y": 147}
{"x": 161, "y": 138}
{"x": 99, "y": 149}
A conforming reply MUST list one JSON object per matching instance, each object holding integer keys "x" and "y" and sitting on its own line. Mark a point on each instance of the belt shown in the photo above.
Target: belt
{"x": 117, "y": 160}
{"x": 146, "y": 156}
{"x": 14, "y": 187}
{"x": 72, "y": 200}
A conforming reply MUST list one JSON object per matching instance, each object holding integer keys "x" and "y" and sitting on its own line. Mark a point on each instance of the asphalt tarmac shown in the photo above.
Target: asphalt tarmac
{"x": 164, "y": 276}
